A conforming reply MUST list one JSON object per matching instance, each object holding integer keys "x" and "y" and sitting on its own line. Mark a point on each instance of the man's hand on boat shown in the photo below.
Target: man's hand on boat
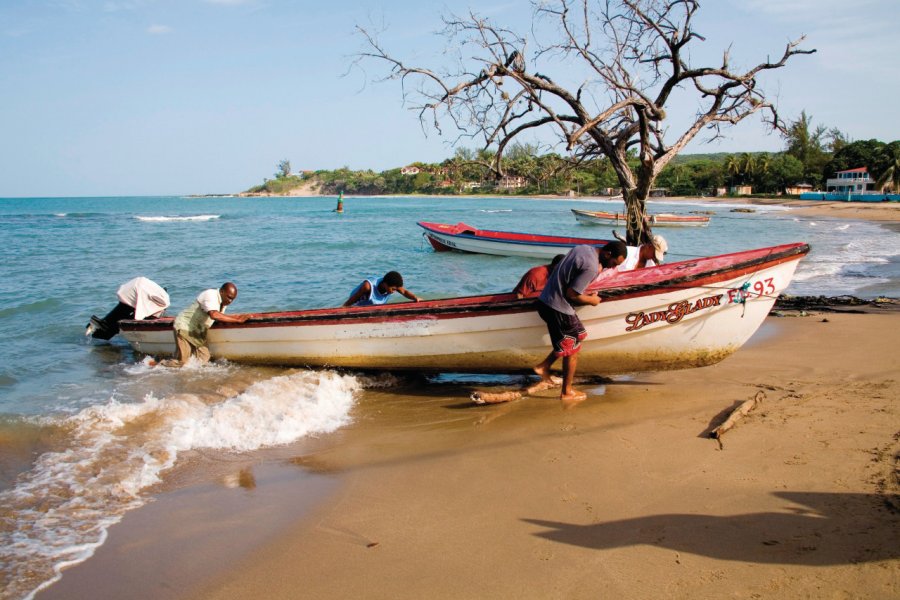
{"x": 591, "y": 298}
{"x": 220, "y": 316}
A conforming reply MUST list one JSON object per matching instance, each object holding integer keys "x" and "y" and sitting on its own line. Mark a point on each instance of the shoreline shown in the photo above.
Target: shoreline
{"x": 871, "y": 211}
{"x": 624, "y": 496}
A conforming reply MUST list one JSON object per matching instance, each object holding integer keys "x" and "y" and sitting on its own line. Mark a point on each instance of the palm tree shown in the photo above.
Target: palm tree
{"x": 890, "y": 178}
{"x": 732, "y": 167}
{"x": 748, "y": 166}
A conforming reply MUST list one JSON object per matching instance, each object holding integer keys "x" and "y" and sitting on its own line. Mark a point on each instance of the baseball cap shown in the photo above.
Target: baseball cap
{"x": 660, "y": 247}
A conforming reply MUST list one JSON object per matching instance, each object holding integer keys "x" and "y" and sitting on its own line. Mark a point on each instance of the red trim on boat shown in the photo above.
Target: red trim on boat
{"x": 687, "y": 274}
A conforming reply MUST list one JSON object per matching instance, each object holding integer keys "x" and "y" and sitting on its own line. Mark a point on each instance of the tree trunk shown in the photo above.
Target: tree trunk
{"x": 637, "y": 229}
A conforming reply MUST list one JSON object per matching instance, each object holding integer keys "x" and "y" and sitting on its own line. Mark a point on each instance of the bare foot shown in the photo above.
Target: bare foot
{"x": 572, "y": 398}
{"x": 542, "y": 372}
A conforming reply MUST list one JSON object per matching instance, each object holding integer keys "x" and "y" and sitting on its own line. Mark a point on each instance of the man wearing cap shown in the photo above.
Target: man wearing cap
{"x": 650, "y": 254}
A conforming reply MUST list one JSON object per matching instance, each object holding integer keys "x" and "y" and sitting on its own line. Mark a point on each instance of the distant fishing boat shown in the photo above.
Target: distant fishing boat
{"x": 591, "y": 217}
{"x": 686, "y": 314}
{"x": 465, "y": 238}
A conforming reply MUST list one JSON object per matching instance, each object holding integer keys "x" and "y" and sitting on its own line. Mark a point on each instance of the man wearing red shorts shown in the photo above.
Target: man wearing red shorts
{"x": 564, "y": 290}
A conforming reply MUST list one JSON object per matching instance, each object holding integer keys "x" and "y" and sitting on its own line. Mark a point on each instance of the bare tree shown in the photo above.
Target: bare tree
{"x": 632, "y": 56}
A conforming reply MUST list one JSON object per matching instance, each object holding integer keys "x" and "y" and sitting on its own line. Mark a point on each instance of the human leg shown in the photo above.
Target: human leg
{"x": 569, "y": 395}
{"x": 202, "y": 354}
{"x": 182, "y": 352}
{"x": 543, "y": 368}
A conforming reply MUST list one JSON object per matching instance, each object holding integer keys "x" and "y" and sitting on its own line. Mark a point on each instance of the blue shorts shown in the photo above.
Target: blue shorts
{"x": 566, "y": 331}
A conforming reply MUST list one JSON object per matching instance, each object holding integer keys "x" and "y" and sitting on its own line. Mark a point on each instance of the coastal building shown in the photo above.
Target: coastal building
{"x": 741, "y": 190}
{"x": 797, "y": 189}
{"x": 853, "y": 181}
{"x": 471, "y": 185}
{"x": 409, "y": 170}
{"x": 851, "y": 185}
{"x": 511, "y": 182}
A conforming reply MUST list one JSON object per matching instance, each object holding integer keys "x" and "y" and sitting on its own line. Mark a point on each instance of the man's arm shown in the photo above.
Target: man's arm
{"x": 646, "y": 253}
{"x": 220, "y": 316}
{"x": 409, "y": 294}
{"x": 361, "y": 292}
{"x": 575, "y": 298}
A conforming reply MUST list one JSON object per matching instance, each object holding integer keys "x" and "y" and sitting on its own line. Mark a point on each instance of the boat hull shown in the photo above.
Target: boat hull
{"x": 619, "y": 220}
{"x": 463, "y": 238}
{"x": 645, "y": 322}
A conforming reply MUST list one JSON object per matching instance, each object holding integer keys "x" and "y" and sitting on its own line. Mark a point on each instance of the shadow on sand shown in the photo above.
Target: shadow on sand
{"x": 817, "y": 529}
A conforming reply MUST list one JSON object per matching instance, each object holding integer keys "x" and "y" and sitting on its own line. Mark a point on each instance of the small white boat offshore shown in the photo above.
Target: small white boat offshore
{"x": 678, "y": 315}
{"x": 592, "y": 217}
{"x": 465, "y": 238}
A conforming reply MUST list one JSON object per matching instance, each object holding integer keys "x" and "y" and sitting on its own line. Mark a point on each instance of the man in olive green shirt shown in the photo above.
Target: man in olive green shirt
{"x": 193, "y": 323}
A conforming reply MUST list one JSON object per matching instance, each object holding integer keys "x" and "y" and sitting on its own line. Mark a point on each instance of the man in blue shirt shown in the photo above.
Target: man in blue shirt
{"x": 375, "y": 290}
{"x": 564, "y": 290}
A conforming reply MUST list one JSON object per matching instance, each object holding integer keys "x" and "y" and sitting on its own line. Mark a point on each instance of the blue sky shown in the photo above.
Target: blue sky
{"x": 156, "y": 97}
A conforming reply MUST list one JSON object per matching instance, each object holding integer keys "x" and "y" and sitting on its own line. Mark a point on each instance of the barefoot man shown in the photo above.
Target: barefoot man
{"x": 565, "y": 288}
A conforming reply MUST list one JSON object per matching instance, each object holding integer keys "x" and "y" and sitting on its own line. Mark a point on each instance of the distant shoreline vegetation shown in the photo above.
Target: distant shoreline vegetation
{"x": 808, "y": 160}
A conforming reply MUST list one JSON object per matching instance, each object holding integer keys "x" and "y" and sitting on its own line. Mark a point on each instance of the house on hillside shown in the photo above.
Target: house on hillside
{"x": 409, "y": 170}
{"x": 511, "y": 182}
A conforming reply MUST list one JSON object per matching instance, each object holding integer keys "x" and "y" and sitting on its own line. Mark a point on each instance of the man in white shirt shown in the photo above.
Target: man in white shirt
{"x": 650, "y": 254}
{"x": 193, "y": 323}
{"x": 140, "y": 298}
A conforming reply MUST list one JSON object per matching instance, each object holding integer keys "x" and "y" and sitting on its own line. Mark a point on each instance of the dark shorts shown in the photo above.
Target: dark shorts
{"x": 566, "y": 331}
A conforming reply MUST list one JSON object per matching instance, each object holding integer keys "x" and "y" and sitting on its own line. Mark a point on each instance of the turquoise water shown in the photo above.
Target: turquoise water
{"x": 64, "y": 400}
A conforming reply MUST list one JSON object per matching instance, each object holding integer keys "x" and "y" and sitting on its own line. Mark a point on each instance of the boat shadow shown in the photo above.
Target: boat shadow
{"x": 815, "y": 529}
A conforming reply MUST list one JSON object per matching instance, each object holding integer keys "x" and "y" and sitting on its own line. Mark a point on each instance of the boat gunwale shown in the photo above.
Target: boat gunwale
{"x": 495, "y": 304}
{"x": 600, "y": 214}
{"x": 540, "y": 240}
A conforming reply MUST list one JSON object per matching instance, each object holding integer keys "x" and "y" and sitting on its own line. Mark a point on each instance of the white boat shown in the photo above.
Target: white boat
{"x": 465, "y": 238}
{"x": 593, "y": 217}
{"x": 685, "y": 314}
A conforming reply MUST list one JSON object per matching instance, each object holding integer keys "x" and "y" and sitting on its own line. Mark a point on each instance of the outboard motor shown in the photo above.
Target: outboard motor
{"x": 108, "y": 326}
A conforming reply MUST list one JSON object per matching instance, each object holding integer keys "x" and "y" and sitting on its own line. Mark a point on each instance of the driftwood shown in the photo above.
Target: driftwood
{"x": 834, "y": 303}
{"x": 737, "y": 414}
{"x": 479, "y": 397}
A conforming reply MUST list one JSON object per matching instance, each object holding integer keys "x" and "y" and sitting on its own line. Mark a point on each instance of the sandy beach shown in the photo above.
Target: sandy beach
{"x": 623, "y": 496}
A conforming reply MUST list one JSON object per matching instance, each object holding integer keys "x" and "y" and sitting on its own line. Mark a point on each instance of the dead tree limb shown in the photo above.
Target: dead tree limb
{"x": 479, "y": 397}
{"x": 617, "y": 65}
{"x": 736, "y": 415}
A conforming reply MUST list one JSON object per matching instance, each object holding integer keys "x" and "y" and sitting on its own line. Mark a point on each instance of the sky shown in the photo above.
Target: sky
{"x": 170, "y": 97}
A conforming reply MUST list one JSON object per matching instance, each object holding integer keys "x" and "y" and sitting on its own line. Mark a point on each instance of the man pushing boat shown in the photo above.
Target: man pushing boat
{"x": 193, "y": 323}
{"x": 565, "y": 289}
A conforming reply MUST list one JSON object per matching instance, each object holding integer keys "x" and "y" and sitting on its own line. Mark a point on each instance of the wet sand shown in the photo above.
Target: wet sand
{"x": 624, "y": 496}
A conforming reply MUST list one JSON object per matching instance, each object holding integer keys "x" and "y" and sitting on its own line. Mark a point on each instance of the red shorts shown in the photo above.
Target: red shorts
{"x": 566, "y": 331}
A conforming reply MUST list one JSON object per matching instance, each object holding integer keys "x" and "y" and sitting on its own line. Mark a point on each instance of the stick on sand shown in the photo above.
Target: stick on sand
{"x": 479, "y": 397}
{"x": 737, "y": 414}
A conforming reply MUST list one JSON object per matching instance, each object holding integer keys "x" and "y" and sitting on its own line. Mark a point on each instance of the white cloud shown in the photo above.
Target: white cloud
{"x": 159, "y": 29}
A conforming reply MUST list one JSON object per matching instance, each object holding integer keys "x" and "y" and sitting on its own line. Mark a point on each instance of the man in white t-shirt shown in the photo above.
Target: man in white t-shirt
{"x": 651, "y": 254}
{"x": 193, "y": 323}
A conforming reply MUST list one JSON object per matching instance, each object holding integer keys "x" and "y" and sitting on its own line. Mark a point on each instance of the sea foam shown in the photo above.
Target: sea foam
{"x": 178, "y": 218}
{"x": 59, "y": 512}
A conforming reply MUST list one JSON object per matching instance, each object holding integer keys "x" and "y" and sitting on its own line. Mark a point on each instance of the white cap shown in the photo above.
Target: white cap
{"x": 660, "y": 247}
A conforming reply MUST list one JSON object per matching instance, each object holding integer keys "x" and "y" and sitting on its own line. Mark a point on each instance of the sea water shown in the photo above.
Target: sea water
{"x": 87, "y": 428}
